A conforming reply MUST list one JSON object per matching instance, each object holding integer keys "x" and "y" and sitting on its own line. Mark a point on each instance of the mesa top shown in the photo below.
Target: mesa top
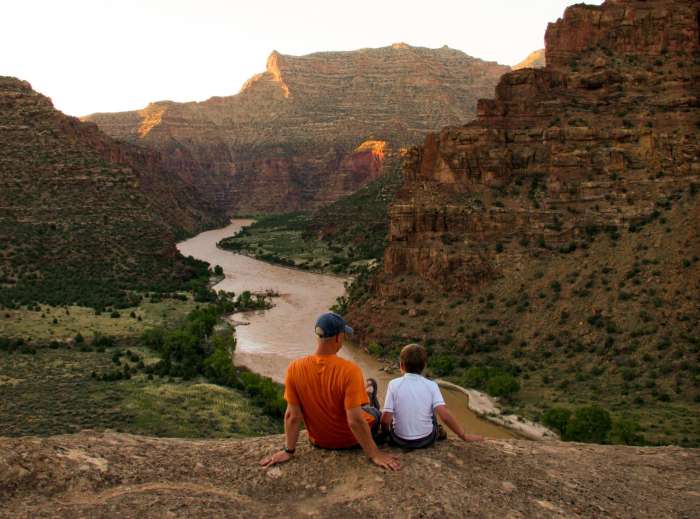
{"x": 413, "y": 399}
{"x": 325, "y": 386}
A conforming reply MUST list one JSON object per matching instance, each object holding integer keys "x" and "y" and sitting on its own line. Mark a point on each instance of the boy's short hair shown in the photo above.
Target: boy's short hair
{"x": 414, "y": 358}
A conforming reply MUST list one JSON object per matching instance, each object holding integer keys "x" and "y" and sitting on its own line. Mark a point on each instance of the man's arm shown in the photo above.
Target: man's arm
{"x": 450, "y": 422}
{"x": 292, "y": 423}
{"x": 360, "y": 428}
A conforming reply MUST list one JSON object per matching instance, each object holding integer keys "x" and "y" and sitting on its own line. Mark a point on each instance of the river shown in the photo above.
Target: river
{"x": 274, "y": 337}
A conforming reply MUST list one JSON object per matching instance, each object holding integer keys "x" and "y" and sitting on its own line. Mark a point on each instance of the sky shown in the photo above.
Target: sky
{"x": 106, "y": 55}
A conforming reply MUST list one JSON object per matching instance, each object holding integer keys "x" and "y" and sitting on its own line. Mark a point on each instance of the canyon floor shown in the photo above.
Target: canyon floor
{"x": 97, "y": 475}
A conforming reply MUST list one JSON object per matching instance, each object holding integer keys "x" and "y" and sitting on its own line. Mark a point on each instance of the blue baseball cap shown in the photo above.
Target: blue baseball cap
{"x": 330, "y": 325}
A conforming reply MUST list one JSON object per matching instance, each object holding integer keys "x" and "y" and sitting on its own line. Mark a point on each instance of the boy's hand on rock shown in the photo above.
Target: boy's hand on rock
{"x": 472, "y": 438}
{"x": 387, "y": 461}
{"x": 277, "y": 457}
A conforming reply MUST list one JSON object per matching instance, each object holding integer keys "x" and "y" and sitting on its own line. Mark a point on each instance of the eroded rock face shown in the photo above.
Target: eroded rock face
{"x": 597, "y": 139}
{"x": 119, "y": 475}
{"x": 310, "y": 129}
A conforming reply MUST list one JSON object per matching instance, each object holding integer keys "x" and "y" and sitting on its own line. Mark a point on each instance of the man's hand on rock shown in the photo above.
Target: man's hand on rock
{"x": 276, "y": 458}
{"x": 387, "y": 461}
{"x": 472, "y": 438}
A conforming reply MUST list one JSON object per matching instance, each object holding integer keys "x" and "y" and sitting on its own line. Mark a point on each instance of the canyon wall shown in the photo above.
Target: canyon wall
{"x": 556, "y": 237}
{"x": 601, "y": 136}
{"x": 309, "y": 129}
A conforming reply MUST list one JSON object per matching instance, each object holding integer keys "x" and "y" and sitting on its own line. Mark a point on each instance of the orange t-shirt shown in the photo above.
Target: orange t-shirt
{"x": 325, "y": 386}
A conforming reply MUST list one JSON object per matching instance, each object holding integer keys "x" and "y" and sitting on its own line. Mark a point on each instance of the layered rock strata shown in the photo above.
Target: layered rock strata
{"x": 599, "y": 138}
{"x": 310, "y": 129}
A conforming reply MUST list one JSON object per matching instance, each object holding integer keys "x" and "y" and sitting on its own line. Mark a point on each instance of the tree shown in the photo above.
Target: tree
{"x": 589, "y": 424}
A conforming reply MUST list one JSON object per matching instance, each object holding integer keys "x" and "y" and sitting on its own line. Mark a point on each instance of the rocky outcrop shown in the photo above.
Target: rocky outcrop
{"x": 79, "y": 210}
{"x": 556, "y": 235}
{"x": 600, "y": 137}
{"x": 310, "y": 129}
{"x": 108, "y": 475}
{"x": 535, "y": 59}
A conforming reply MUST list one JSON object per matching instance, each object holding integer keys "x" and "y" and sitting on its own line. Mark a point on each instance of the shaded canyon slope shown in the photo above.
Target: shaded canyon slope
{"x": 312, "y": 128}
{"x": 80, "y": 214}
{"x": 558, "y": 231}
{"x": 118, "y": 475}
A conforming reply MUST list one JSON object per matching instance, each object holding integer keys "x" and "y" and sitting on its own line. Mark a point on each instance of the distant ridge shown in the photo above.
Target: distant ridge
{"x": 312, "y": 128}
{"x": 535, "y": 59}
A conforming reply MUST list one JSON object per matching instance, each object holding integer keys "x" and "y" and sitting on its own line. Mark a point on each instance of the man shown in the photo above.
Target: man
{"x": 328, "y": 393}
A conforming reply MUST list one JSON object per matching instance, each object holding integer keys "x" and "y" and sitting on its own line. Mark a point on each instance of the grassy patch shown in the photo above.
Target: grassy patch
{"x": 46, "y": 323}
{"x": 52, "y": 392}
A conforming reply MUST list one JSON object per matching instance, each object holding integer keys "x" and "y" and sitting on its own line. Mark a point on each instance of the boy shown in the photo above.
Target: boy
{"x": 412, "y": 401}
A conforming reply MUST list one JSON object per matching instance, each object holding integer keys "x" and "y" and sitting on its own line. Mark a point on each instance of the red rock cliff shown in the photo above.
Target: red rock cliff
{"x": 604, "y": 133}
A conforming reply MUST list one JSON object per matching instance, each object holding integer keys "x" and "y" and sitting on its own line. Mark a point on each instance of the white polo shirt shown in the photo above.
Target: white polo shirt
{"x": 413, "y": 399}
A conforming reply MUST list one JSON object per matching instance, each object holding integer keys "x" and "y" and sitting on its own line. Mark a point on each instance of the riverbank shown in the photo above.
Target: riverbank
{"x": 283, "y": 264}
{"x": 271, "y": 339}
{"x": 488, "y": 408}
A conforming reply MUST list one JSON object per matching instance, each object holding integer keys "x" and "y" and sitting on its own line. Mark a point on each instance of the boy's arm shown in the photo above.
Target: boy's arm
{"x": 388, "y": 410}
{"x": 387, "y": 419}
{"x": 450, "y": 422}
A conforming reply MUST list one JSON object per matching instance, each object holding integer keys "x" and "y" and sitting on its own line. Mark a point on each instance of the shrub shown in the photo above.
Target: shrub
{"x": 626, "y": 432}
{"x": 556, "y": 418}
{"x": 502, "y": 385}
{"x": 442, "y": 365}
{"x": 590, "y": 424}
{"x": 218, "y": 367}
{"x": 475, "y": 377}
{"x": 265, "y": 393}
{"x": 102, "y": 341}
{"x": 375, "y": 348}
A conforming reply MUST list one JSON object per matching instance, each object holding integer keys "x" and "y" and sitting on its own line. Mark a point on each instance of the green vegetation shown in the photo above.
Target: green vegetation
{"x": 44, "y": 323}
{"x": 79, "y": 227}
{"x": 160, "y": 383}
{"x": 52, "y": 392}
{"x": 342, "y": 237}
{"x": 592, "y": 424}
{"x": 612, "y": 322}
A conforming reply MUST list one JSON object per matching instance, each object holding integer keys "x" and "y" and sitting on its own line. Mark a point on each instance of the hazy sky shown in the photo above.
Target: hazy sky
{"x": 111, "y": 55}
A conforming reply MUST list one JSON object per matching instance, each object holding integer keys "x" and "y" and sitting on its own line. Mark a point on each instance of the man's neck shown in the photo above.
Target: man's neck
{"x": 325, "y": 349}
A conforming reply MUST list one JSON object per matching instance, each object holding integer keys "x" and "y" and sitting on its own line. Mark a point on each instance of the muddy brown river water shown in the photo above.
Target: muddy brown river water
{"x": 272, "y": 338}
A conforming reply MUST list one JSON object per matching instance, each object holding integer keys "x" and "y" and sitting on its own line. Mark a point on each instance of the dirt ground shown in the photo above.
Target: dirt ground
{"x": 119, "y": 475}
